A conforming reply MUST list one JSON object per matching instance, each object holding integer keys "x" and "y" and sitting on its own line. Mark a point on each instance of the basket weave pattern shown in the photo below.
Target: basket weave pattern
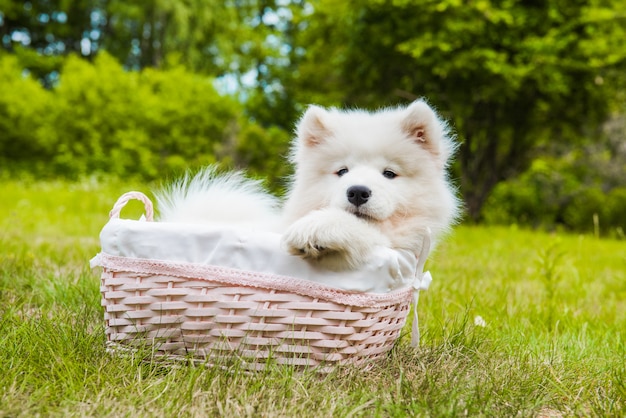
{"x": 209, "y": 320}
{"x": 210, "y": 313}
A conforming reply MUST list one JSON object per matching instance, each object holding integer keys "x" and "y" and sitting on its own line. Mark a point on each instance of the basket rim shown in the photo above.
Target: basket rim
{"x": 237, "y": 277}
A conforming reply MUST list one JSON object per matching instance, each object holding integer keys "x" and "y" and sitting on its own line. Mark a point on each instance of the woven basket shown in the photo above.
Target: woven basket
{"x": 214, "y": 314}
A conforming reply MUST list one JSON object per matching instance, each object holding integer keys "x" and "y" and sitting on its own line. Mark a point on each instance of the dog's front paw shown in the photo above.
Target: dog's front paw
{"x": 304, "y": 249}
{"x": 335, "y": 239}
{"x": 304, "y": 242}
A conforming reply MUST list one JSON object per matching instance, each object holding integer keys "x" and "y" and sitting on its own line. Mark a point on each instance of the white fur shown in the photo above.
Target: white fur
{"x": 334, "y": 237}
{"x": 412, "y": 142}
{"x": 208, "y": 197}
{"x": 318, "y": 221}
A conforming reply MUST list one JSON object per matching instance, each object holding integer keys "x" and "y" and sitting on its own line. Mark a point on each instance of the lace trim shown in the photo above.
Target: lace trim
{"x": 230, "y": 276}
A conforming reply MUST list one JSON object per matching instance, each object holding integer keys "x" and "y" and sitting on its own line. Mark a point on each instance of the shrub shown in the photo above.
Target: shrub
{"x": 555, "y": 193}
{"x": 24, "y": 113}
{"x": 101, "y": 118}
{"x": 585, "y": 205}
{"x": 536, "y": 198}
{"x": 124, "y": 122}
{"x": 615, "y": 212}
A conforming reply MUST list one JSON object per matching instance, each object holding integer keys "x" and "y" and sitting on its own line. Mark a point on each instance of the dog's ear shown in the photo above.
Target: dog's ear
{"x": 311, "y": 129}
{"x": 423, "y": 125}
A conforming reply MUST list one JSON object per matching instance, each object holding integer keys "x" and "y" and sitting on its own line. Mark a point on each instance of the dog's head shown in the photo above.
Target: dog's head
{"x": 379, "y": 166}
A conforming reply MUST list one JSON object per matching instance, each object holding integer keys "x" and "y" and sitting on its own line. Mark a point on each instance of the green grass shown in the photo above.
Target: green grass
{"x": 553, "y": 344}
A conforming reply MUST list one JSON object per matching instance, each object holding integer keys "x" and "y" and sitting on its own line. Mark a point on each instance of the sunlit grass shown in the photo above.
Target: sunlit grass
{"x": 515, "y": 323}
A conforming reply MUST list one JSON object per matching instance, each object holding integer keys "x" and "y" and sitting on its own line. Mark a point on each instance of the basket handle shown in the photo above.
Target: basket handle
{"x": 125, "y": 198}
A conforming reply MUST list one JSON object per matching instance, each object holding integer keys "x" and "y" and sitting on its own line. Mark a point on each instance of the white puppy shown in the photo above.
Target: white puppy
{"x": 362, "y": 180}
{"x": 366, "y": 179}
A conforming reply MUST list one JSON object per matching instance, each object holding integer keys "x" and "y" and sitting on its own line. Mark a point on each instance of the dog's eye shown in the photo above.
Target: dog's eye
{"x": 389, "y": 174}
{"x": 342, "y": 172}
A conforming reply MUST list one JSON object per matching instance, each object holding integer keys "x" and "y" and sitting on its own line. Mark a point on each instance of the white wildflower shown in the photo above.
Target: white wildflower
{"x": 479, "y": 321}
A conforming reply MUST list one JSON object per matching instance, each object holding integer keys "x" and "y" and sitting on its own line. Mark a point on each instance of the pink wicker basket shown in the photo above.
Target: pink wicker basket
{"x": 213, "y": 314}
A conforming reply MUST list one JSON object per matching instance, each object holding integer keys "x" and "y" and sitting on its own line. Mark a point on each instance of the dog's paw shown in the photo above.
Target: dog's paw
{"x": 335, "y": 239}
{"x": 325, "y": 250}
{"x": 305, "y": 238}
{"x": 303, "y": 246}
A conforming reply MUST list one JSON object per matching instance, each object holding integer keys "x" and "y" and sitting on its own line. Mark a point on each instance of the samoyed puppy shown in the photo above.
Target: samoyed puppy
{"x": 368, "y": 179}
{"x": 362, "y": 180}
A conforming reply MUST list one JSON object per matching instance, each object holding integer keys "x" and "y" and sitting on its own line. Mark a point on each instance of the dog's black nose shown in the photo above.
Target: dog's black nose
{"x": 358, "y": 195}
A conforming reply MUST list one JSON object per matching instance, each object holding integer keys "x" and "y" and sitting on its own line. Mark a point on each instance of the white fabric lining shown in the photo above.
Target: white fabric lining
{"x": 250, "y": 250}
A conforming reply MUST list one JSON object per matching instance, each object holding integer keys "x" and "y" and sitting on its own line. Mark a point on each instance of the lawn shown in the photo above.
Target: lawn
{"x": 515, "y": 323}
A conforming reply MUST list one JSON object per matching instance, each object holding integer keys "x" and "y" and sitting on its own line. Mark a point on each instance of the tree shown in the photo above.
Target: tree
{"x": 512, "y": 76}
{"x": 234, "y": 37}
{"x": 144, "y": 33}
{"x": 39, "y": 32}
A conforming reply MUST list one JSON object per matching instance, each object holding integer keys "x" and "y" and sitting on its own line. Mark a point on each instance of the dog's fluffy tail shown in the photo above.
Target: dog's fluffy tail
{"x": 209, "y": 197}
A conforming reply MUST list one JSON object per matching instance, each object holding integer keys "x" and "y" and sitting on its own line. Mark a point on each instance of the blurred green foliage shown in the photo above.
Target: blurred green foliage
{"x": 511, "y": 76}
{"x": 101, "y": 118}
{"x": 557, "y": 194}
